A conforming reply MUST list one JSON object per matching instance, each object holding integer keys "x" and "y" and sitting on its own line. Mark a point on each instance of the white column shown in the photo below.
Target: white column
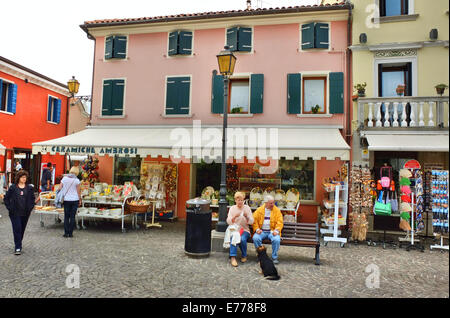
{"x": 421, "y": 115}
{"x": 404, "y": 123}
{"x": 378, "y": 124}
{"x": 370, "y": 117}
{"x": 430, "y": 114}
{"x": 386, "y": 122}
{"x": 395, "y": 122}
{"x": 413, "y": 115}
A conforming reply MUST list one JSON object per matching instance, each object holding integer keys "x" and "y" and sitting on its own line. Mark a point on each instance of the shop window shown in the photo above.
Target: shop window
{"x": 298, "y": 174}
{"x": 207, "y": 174}
{"x": 314, "y": 95}
{"x": 393, "y": 7}
{"x": 127, "y": 169}
{"x": 8, "y": 97}
{"x": 54, "y": 110}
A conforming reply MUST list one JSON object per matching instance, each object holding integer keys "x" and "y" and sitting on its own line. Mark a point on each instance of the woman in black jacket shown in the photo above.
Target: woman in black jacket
{"x": 19, "y": 200}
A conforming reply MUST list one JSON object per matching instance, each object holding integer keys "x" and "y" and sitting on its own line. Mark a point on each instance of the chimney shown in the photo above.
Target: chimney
{"x": 249, "y": 4}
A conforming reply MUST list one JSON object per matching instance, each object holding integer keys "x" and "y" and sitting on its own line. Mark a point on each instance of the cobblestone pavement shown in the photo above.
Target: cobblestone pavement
{"x": 152, "y": 263}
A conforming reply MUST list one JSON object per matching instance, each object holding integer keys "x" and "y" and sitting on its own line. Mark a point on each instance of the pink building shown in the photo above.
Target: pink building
{"x": 153, "y": 75}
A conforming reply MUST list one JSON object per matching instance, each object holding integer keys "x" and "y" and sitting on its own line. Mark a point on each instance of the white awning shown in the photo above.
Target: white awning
{"x": 2, "y": 150}
{"x": 408, "y": 142}
{"x": 202, "y": 142}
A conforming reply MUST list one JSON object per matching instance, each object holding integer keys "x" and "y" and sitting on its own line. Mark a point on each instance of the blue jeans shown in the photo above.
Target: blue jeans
{"x": 242, "y": 245}
{"x": 19, "y": 223}
{"x": 70, "y": 210}
{"x": 276, "y": 240}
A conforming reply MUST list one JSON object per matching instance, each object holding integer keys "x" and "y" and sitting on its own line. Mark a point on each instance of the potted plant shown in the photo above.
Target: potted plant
{"x": 237, "y": 110}
{"x": 400, "y": 90}
{"x": 361, "y": 89}
{"x": 440, "y": 88}
{"x": 315, "y": 109}
{"x": 355, "y": 97}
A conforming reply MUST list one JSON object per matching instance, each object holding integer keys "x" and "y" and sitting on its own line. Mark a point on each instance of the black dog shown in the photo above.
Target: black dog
{"x": 267, "y": 267}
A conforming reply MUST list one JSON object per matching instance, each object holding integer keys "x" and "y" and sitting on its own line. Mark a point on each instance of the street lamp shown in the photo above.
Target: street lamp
{"x": 226, "y": 61}
{"x": 73, "y": 85}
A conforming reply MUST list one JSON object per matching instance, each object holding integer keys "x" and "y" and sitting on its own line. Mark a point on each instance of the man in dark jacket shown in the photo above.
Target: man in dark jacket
{"x": 20, "y": 201}
{"x": 47, "y": 175}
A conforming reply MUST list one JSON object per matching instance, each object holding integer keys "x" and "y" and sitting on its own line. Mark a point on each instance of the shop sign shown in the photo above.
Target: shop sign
{"x": 412, "y": 164}
{"x": 93, "y": 150}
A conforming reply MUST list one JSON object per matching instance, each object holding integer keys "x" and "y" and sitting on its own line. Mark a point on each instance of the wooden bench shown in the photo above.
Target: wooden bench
{"x": 300, "y": 234}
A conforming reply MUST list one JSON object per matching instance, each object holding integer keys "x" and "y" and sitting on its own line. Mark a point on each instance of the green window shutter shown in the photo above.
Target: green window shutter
{"x": 232, "y": 38}
{"x": 108, "y": 47}
{"x": 245, "y": 39}
{"x": 107, "y": 97}
{"x": 120, "y": 47}
{"x": 171, "y": 96}
{"x": 217, "y": 94}
{"x": 307, "y": 36}
{"x": 321, "y": 36}
{"x": 256, "y": 93}
{"x": 118, "y": 87}
{"x": 336, "y": 93}
{"x": 294, "y": 95}
{"x": 184, "y": 91}
{"x": 185, "y": 40}
{"x": 173, "y": 43}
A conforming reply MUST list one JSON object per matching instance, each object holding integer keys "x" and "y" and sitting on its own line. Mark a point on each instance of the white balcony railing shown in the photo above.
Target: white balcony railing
{"x": 403, "y": 112}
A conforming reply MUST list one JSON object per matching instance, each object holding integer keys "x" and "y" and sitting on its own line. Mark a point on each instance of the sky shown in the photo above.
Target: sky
{"x": 46, "y": 37}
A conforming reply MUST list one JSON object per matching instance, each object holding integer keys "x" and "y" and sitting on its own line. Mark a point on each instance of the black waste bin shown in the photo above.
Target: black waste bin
{"x": 198, "y": 227}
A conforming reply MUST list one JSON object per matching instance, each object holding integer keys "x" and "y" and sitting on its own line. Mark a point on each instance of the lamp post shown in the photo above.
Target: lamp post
{"x": 73, "y": 86}
{"x": 226, "y": 61}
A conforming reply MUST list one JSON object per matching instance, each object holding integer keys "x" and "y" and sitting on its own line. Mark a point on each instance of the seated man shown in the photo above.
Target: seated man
{"x": 268, "y": 223}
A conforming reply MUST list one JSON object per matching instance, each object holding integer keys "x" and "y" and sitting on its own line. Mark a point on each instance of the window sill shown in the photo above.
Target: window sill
{"x": 6, "y": 113}
{"x": 238, "y": 115}
{"x": 177, "y": 116}
{"x": 51, "y": 122}
{"x": 314, "y": 115}
{"x": 396, "y": 18}
{"x": 112, "y": 117}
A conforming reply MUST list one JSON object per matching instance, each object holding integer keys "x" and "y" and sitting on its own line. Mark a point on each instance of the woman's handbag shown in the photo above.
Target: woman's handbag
{"x": 382, "y": 208}
{"x": 59, "y": 196}
{"x": 386, "y": 180}
{"x": 394, "y": 202}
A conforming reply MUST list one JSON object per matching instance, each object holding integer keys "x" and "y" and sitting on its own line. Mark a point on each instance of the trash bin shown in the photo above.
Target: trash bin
{"x": 198, "y": 227}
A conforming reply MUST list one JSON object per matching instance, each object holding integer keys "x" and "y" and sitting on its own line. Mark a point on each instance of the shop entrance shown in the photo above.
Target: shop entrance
{"x": 25, "y": 159}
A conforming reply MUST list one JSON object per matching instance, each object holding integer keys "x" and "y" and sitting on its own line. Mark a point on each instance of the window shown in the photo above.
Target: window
{"x": 115, "y": 47}
{"x": 314, "y": 95}
{"x": 239, "y": 39}
{"x": 307, "y": 91}
{"x": 8, "y": 97}
{"x": 127, "y": 169}
{"x": 180, "y": 43}
{"x": 178, "y": 90}
{"x": 393, "y": 7}
{"x": 298, "y": 174}
{"x": 113, "y": 97}
{"x": 315, "y": 35}
{"x": 54, "y": 110}
{"x": 245, "y": 95}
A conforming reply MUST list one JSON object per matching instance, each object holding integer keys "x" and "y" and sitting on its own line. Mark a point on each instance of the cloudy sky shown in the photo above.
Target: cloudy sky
{"x": 45, "y": 35}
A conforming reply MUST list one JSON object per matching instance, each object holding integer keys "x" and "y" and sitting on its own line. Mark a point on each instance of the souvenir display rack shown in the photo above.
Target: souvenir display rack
{"x": 428, "y": 196}
{"x": 339, "y": 208}
{"x": 440, "y": 197}
{"x": 361, "y": 202}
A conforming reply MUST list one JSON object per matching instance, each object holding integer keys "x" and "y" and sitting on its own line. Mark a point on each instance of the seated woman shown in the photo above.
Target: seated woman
{"x": 241, "y": 215}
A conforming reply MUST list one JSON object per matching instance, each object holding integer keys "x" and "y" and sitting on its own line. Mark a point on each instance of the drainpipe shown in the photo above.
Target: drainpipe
{"x": 93, "y": 72}
{"x": 348, "y": 134}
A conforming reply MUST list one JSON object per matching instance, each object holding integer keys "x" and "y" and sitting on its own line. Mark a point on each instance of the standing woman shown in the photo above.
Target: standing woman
{"x": 70, "y": 186}
{"x": 20, "y": 201}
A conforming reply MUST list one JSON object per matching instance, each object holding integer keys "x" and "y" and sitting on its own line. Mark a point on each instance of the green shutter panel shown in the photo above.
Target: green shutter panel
{"x": 173, "y": 43}
{"x": 107, "y": 97}
{"x": 256, "y": 93}
{"x": 232, "y": 38}
{"x": 172, "y": 97}
{"x": 185, "y": 39}
{"x": 118, "y": 87}
{"x": 321, "y": 35}
{"x": 120, "y": 47}
{"x": 336, "y": 93}
{"x": 49, "y": 108}
{"x": 294, "y": 95}
{"x": 307, "y": 36}
{"x": 217, "y": 94}
{"x": 108, "y": 47}
{"x": 12, "y": 98}
{"x": 184, "y": 88}
{"x": 245, "y": 39}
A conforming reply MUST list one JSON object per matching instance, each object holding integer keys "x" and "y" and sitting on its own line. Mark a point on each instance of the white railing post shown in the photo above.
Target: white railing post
{"x": 421, "y": 116}
{"x": 378, "y": 124}
{"x": 386, "y": 122}
{"x": 404, "y": 122}
{"x": 413, "y": 115}
{"x": 430, "y": 114}
{"x": 370, "y": 117}
{"x": 395, "y": 122}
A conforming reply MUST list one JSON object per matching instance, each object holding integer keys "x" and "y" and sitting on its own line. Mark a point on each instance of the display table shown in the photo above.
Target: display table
{"x": 46, "y": 207}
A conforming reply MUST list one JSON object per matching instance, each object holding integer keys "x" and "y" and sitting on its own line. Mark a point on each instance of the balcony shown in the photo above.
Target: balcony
{"x": 403, "y": 113}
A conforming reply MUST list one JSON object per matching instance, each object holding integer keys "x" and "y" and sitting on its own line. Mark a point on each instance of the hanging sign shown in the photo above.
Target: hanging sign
{"x": 412, "y": 164}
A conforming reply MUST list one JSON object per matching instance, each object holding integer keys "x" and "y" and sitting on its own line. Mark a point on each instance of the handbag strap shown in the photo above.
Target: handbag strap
{"x": 69, "y": 187}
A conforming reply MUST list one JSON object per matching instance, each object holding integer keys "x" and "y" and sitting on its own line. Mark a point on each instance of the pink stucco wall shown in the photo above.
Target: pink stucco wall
{"x": 275, "y": 55}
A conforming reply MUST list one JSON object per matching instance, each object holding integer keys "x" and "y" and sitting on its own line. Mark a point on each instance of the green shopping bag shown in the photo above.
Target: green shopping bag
{"x": 382, "y": 208}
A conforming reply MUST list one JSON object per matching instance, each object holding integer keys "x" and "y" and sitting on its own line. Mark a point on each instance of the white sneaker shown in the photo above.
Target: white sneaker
{"x": 18, "y": 252}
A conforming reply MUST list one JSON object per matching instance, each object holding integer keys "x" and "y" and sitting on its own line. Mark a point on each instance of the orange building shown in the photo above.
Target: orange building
{"x": 33, "y": 108}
